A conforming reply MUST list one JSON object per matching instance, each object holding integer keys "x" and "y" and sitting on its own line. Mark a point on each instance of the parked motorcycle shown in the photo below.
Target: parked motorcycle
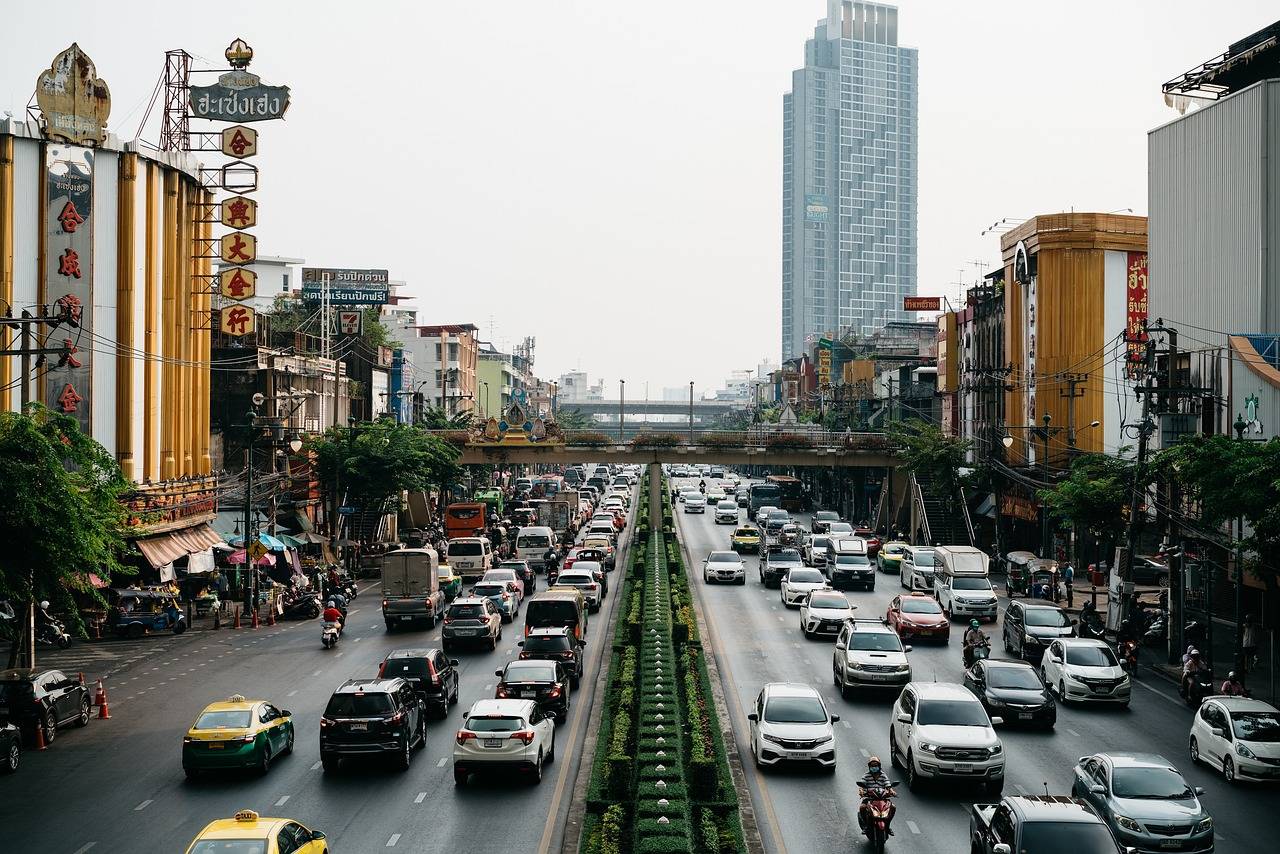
{"x": 873, "y": 814}
{"x": 304, "y": 607}
{"x": 329, "y": 635}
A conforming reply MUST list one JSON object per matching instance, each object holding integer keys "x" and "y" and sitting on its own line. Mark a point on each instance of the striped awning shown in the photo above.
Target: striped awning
{"x": 164, "y": 549}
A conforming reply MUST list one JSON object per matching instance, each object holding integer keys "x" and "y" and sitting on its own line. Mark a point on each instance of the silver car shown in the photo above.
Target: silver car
{"x": 1144, "y": 799}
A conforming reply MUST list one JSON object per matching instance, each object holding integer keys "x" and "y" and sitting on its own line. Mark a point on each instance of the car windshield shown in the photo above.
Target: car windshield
{"x": 746, "y": 532}
{"x": 818, "y": 541}
{"x": 828, "y": 600}
{"x": 1066, "y": 837}
{"x": 466, "y": 612}
{"x": 533, "y": 541}
{"x": 827, "y": 516}
{"x": 922, "y": 558}
{"x": 357, "y": 705}
{"x": 1256, "y": 726}
{"x": 530, "y": 671}
{"x": 494, "y": 723}
{"x": 444, "y": 573}
{"x": 806, "y": 576}
{"x": 853, "y": 560}
{"x": 953, "y": 713}
{"x": 1050, "y": 617}
{"x": 786, "y": 556}
{"x": 573, "y": 578}
{"x": 970, "y": 584}
{"x": 230, "y": 846}
{"x": 920, "y": 606}
{"x": 1149, "y": 783}
{"x": 238, "y": 719}
{"x": 1023, "y": 678}
{"x": 469, "y": 549}
{"x": 487, "y": 590}
{"x": 795, "y": 710}
{"x": 893, "y": 549}
{"x": 1091, "y": 656}
{"x": 875, "y": 641}
{"x": 546, "y": 643}
{"x": 724, "y": 557}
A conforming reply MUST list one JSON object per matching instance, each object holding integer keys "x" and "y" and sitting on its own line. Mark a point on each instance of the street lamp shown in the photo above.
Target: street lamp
{"x": 622, "y": 417}
{"x": 690, "y": 412}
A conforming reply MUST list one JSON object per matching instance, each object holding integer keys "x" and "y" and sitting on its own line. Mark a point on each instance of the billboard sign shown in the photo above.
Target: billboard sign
{"x": 824, "y": 361}
{"x": 922, "y": 303}
{"x": 239, "y": 96}
{"x": 1135, "y": 309}
{"x": 68, "y": 264}
{"x": 74, "y": 102}
{"x": 815, "y": 208}
{"x": 349, "y": 322}
{"x": 347, "y": 286}
{"x": 346, "y": 295}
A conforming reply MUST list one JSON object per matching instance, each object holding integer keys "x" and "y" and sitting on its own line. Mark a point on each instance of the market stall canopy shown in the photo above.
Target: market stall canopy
{"x": 267, "y": 540}
{"x": 265, "y": 560}
{"x": 164, "y": 549}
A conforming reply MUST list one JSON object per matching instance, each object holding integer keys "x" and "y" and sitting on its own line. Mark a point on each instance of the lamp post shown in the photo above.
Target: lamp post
{"x": 1239, "y": 426}
{"x": 622, "y": 416}
{"x": 690, "y": 412}
{"x": 484, "y": 410}
{"x": 1042, "y": 433}
{"x": 247, "y": 585}
{"x": 1001, "y": 449}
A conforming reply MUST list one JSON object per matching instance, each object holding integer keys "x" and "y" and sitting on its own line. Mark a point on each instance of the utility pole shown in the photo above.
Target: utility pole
{"x": 1073, "y": 391}
{"x": 690, "y": 412}
{"x": 250, "y": 535}
{"x": 622, "y": 394}
{"x": 1124, "y": 561}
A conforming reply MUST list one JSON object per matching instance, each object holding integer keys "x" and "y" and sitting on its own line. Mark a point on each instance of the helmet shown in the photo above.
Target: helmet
{"x": 873, "y": 764}
{"x": 332, "y": 603}
{"x": 1193, "y": 652}
{"x": 1231, "y": 677}
{"x": 973, "y": 624}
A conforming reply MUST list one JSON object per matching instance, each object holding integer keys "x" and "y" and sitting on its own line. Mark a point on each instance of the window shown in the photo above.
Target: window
{"x": 284, "y": 285}
{"x": 1002, "y": 826}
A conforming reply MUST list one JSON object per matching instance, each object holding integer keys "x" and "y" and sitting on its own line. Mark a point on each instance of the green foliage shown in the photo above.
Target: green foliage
{"x": 930, "y": 454}
{"x": 591, "y": 438}
{"x": 572, "y": 418}
{"x": 611, "y": 827}
{"x": 786, "y": 441}
{"x": 1094, "y": 495}
{"x": 378, "y": 460}
{"x": 656, "y": 440}
{"x": 436, "y": 418}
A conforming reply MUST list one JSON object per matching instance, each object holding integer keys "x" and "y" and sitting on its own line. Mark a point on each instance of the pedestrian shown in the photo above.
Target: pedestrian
{"x": 1249, "y": 642}
{"x": 1068, "y": 576}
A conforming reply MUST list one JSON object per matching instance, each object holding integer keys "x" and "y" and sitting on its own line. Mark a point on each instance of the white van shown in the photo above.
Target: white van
{"x": 470, "y": 557}
{"x": 916, "y": 572}
{"x": 532, "y": 543}
{"x": 960, "y": 582}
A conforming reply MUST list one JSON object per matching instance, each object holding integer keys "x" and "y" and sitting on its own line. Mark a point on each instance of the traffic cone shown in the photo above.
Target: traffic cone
{"x": 101, "y": 702}
{"x": 81, "y": 677}
{"x": 236, "y": 624}
{"x": 40, "y": 745}
{"x": 254, "y": 621}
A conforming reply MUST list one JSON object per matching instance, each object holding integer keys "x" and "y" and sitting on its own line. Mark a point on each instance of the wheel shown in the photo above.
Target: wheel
{"x": 845, "y": 690}
{"x": 264, "y": 759}
{"x": 288, "y": 743}
{"x": 1062, "y": 693}
{"x": 742, "y": 581}
{"x": 454, "y": 697}
{"x": 64, "y": 641}
{"x": 50, "y": 728}
{"x": 390, "y": 626}
{"x": 405, "y": 757}
{"x": 179, "y": 627}
{"x": 537, "y": 770}
{"x": 192, "y": 773}
{"x": 1194, "y": 747}
{"x": 551, "y": 754}
{"x": 1008, "y": 650}
{"x": 803, "y": 630}
{"x": 12, "y": 757}
{"x": 82, "y": 719}
{"x": 1229, "y": 771}
{"x": 460, "y": 777}
{"x": 135, "y": 631}
{"x": 444, "y": 713}
{"x": 330, "y": 763}
{"x": 913, "y": 779}
{"x": 894, "y": 761}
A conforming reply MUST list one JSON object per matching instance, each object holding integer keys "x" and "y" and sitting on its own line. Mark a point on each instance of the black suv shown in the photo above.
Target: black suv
{"x": 554, "y": 644}
{"x": 431, "y": 674}
{"x": 43, "y": 698}
{"x": 372, "y": 717}
{"x": 1029, "y": 627}
{"x": 544, "y": 682}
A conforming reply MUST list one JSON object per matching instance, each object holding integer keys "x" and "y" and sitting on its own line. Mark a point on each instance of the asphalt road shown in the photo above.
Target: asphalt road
{"x": 118, "y": 785}
{"x": 757, "y": 641}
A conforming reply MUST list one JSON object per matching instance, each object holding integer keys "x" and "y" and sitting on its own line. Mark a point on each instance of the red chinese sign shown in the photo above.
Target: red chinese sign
{"x": 70, "y": 217}
{"x": 237, "y": 320}
{"x": 69, "y": 401}
{"x": 67, "y": 384}
{"x": 238, "y": 283}
{"x": 239, "y": 247}
{"x": 239, "y": 212}
{"x": 1135, "y": 307}
{"x": 69, "y": 264}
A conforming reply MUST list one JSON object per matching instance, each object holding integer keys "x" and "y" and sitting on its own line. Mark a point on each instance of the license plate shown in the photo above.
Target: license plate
{"x": 493, "y": 742}
{"x": 796, "y": 754}
{"x": 528, "y": 695}
{"x": 406, "y": 616}
{"x": 963, "y": 767}
{"x": 1170, "y": 843}
{"x": 828, "y": 628}
{"x": 1101, "y": 689}
{"x": 361, "y": 727}
{"x": 465, "y": 632}
{"x": 1025, "y": 716}
{"x": 217, "y": 746}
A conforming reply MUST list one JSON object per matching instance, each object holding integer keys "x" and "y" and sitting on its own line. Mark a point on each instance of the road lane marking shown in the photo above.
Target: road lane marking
{"x": 846, "y": 725}
{"x": 283, "y": 800}
{"x": 782, "y": 619}
{"x": 391, "y": 843}
{"x": 1021, "y": 791}
{"x": 865, "y": 754}
{"x": 143, "y": 805}
{"x": 422, "y": 796}
{"x": 1157, "y": 693}
{"x": 1073, "y": 732}
{"x": 339, "y": 655}
{"x": 85, "y": 847}
{"x": 358, "y": 640}
{"x": 316, "y": 767}
{"x": 488, "y": 687}
{"x": 443, "y": 760}
{"x": 913, "y": 827}
{"x": 291, "y": 693}
{"x": 317, "y": 673}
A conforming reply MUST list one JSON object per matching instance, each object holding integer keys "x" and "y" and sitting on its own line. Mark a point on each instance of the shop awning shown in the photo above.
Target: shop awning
{"x": 164, "y": 549}
{"x": 272, "y": 543}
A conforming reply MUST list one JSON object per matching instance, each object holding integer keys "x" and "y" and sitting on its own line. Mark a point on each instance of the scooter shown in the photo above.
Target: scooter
{"x": 329, "y": 635}
{"x": 1127, "y": 652}
{"x": 873, "y": 814}
{"x": 1091, "y": 628}
{"x": 51, "y": 631}
{"x": 1198, "y": 686}
{"x": 304, "y": 607}
{"x": 977, "y": 652}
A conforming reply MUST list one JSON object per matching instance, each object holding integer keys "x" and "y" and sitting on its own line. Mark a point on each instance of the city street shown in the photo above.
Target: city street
{"x": 105, "y": 788}
{"x": 757, "y": 640}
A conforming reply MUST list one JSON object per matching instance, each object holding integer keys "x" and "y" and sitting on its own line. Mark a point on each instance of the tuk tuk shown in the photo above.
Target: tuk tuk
{"x": 1044, "y": 579}
{"x": 1017, "y": 572}
{"x": 137, "y": 611}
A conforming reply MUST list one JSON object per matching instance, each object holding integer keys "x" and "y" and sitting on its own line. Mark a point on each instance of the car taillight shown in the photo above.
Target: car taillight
{"x": 555, "y": 692}
{"x": 384, "y": 603}
{"x": 326, "y": 722}
{"x": 524, "y": 735}
{"x": 463, "y": 736}
{"x": 448, "y": 620}
{"x": 382, "y": 669}
{"x": 592, "y": 587}
{"x": 501, "y": 692}
{"x": 505, "y": 597}
{"x": 396, "y": 718}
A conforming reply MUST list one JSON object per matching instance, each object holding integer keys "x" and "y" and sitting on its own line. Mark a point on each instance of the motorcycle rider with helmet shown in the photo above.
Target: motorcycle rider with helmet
{"x": 332, "y": 614}
{"x": 875, "y": 779}
{"x": 973, "y": 637}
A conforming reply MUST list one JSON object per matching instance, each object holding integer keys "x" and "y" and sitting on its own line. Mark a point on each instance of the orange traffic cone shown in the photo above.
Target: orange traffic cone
{"x": 254, "y": 621}
{"x": 101, "y": 702}
{"x": 236, "y": 624}
{"x": 40, "y": 745}
{"x": 271, "y": 616}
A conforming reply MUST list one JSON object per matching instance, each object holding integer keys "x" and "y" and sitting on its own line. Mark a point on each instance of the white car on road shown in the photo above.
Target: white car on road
{"x": 727, "y": 511}
{"x": 1086, "y": 670}
{"x": 824, "y": 612}
{"x": 724, "y": 566}
{"x": 1238, "y": 736}
{"x": 499, "y": 735}
{"x": 790, "y": 723}
{"x": 585, "y": 582}
{"x": 797, "y": 584}
{"x": 940, "y": 730}
{"x": 695, "y": 503}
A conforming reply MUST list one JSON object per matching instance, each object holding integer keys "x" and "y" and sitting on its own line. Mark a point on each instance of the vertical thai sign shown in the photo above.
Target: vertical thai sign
{"x": 1023, "y": 275}
{"x": 1135, "y": 309}
{"x": 824, "y": 362}
{"x": 68, "y": 277}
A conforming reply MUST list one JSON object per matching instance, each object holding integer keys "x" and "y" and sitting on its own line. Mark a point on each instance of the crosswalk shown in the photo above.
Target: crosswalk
{"x": 101, "y": 659}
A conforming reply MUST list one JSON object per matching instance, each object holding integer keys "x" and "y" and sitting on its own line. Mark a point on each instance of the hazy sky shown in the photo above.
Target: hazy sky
{"x": 606, "y": 176}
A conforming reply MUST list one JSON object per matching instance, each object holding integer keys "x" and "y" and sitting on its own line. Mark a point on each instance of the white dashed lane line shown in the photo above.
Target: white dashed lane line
{"x": 443, "y": 760}
{"x": 143, "y": 805}
{"x": 283, "y": 800}
{"x": 291, "y": 693}
{"x": 422, "y": 796}
{"x": 316, "y": 767}
{"x": 391, "y": 843}
{"x": 1073, "y": 732}
{"x": 85, "y": 847}
{"x": 913, "y": 827}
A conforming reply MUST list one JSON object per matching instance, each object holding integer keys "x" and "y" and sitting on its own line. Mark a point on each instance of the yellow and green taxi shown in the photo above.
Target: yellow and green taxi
{"x": 249, "y": 833}
{"x": 746, "y": 539}
{"x": 890, "y": 557}
{"x": 450, "y": 581}
{"x": 237, "y": 733}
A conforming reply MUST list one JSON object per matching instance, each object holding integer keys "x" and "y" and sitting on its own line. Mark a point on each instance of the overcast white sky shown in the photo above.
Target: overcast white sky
{"x": 606, "y": 176}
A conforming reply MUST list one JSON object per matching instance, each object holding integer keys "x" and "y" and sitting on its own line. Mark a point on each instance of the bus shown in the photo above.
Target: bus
{"x": 548, "y": 486}
{"x": 763, "y": 495}
{"x": 791, "y": 492}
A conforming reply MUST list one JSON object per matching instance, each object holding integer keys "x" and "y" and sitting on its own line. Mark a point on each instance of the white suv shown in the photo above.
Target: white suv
{"x": 940, "y": 730}
{"x": 798, "y": 583}
{"x": 790, "y": 723}
{"x": 824, "y": 612}
{"x": 727, "y": 511}
{"x": 504, "y": 734}
{"x": 1086, "y": 670}
{"x": 869, "y": 653}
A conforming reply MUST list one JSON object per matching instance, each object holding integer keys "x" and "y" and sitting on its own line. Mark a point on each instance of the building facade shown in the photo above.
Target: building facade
{"x": 445, "y": 358}
{"x": 849, "y": 178}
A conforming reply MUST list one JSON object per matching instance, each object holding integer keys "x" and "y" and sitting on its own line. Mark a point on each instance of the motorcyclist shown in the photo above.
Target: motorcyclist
{"x": 551, "y": 560}
{"x": 1191, "y": 666}
{"x": 875, "y": 778}
{"x": 332, "y": 614}
{"x": 973, "y": 637}
{"x": 1233, "y": 687}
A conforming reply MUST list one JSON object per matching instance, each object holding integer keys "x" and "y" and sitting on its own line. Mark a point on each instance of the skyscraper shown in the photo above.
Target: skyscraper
{"x": 849, "y": 177}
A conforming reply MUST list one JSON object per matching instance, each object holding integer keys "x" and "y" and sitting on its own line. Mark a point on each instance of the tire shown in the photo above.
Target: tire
{"x": 288, "y": 743}
{"x": 1229, "y": 771}
{"x": 264, "y": 760}
{"x": 329, "y": 763}
{"x": 913, "y": 779}
{"x": 537, "y": 770}
{"x": 845, "y": 690}
{"x": 443, "y": 713}
{"x": 12, "y": 758}
{"x": 135, "y": 631}
{"x": 551, "y": 754}
{"x": 742, "y": 582}
{"x": 405, "y": 757}
{"x": 390, "y": 627}
{"x": 460, "y": 777}
{"x": 49, "y": 725}
{"x": 1062, "y": 692}
{"x": 803, "y": 630}
{"x": 179, "y": 627}
{"x": 454, "y": 699}
{"x": 563, "y": 717}
{"x": 894, "y": 761}
{"x": 83, "y": 718}
{"x": 1193, "y": 747}
{"x": 192, "y": 773}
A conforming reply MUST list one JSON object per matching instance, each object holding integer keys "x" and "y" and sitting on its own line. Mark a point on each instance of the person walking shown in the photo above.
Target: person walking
{"x": 1248, "y": 643}
{"x": 1068, "y": 577}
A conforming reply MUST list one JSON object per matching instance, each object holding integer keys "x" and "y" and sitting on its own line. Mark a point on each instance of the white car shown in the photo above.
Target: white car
{"x": 814, "y": 550}
{"x": 870, "y": 654}
{"x": 798, "y": 583}
{"x": 501, "y": 734}
{"x": 790, "y": 723}
{"x": 1085, "y": 670}
{"x": 1238, "y": 736}
{"x": 724, "y": 566}
{"x": 686, "y": 491}
{"x": 715, "y": 495}
{"x": 823, "y": 613}
{"x": 584, "y": 581}
{"x": 509, "y": 577}
{"x": 695, "y": 503}
{"x": 727, "y": 511}
{"x": 940, "y": 730}
{"x": 763, "y": 514}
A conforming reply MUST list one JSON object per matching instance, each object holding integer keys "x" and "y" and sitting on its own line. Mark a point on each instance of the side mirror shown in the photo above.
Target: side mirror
{"x": 904, "y": 719}
{"x": 753, "y": 717}
{"x": 497, "y": 672}
{"x": 1001, "y": 848}
{"x": 997, "y": 721}
{"x": 1199, "y": 790}
{"x": 520, "y": 643}
{"x": 840, "y": 645}
{"x": 285, "y": 713}
{"x": 1098, "y": 789}
{"x": 907, "y": 648}
{"x": 835, "y": 719}
{"x": 318, "y": 834}
{"x": 1219, "y": 732}
{"x": 453, "y": 662}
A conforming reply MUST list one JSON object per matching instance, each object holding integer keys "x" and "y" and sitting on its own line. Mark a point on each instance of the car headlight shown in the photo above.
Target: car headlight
{"x": 853, "y": 665}
{"x": 1128, "y": 823}
{"x": 1205, "y": 824}
{"x": 926, "y": 747}
{"x": 772, "y": 738}
{"x": 822, "y": 740}
{"x": 997, "y": 749}
{"x": 1031, "y": 640}
{"x": 904, "y": 668}
{"x": 1244, "y": 751}
{"x": 995, "y": 702}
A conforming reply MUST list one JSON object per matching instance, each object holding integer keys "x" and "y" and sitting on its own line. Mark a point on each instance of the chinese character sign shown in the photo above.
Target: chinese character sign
{"x": 1135, "y": 308}
{"x": 238, "y": 283}
{"x": 237, "y": 320}
{"x": 239, "y": 212}
{"x": 68, "y": 278}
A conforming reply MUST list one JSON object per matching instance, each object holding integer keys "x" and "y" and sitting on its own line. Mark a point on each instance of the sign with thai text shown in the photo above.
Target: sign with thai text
{"x": 1135, "y": 308}
{"x": 239, "y": 96}
{"x": 343, "y": 276}
{"x": 73, "y": 101}
{"x": 922, "y": 303}
{"x": 68, "y": 265}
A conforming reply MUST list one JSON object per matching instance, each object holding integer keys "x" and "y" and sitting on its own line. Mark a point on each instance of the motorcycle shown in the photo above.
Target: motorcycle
{"x": 329, "y": 635}
{"x": 1156, "y": 631}
{"x": 976, "y": 652}
{"x": 1197, "y": 686}
{"x": 873, "y": 814}
{"x": 1127, "y": 652}
{"x": 1091, "y": 627}
{"x": 304, "y": 607}
{"x": 49, "y": 630}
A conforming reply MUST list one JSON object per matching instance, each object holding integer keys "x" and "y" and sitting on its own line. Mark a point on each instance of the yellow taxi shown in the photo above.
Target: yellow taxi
{"x": 249, "y": 833}
{"x": 450, "y": 581}
{"x": 746, "y": 539}
{"x": 237, "y": 733}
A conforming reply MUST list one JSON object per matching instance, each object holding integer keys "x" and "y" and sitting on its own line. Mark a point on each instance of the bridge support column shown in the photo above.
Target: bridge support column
{"x": 655, "y": 496}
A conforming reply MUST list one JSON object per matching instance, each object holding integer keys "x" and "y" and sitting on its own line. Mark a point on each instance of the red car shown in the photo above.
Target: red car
{"x": 917, "y": 615}
{"x": 873, "y": 542}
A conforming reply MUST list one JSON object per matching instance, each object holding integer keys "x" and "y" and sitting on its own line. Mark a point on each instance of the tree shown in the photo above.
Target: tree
{"x": 931, "y": 455}
{"x": 436, "y": 418}
{"x": 61, "y": 518}
{"x": 572, "y": 418}
{"x": 377, "y": 461}
{"x": 1094, "y": 497}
